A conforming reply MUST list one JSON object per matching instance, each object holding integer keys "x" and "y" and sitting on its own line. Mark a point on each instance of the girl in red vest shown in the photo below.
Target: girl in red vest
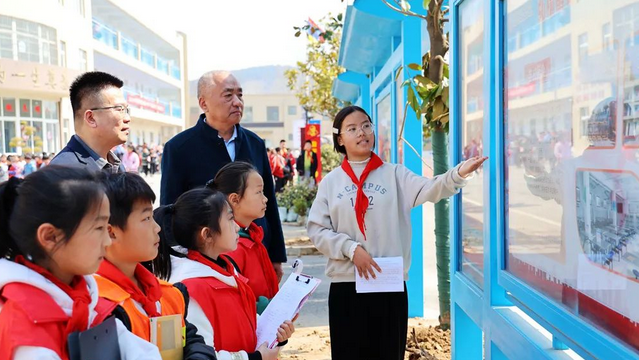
{"x": 124, "y": 280}
{"x": 244, "y": 190}
{"x": 200, "y": 227}
{"x": 53, "y": 234}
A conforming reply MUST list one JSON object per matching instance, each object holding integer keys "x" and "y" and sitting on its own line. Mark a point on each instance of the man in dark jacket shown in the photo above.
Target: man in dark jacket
{"x": 194, "y": 156}
{"x": 307, "y": 162}
{"x": 101, "y": 120}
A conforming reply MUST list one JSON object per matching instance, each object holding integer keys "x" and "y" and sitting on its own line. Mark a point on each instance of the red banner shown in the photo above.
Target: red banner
{"x": 312, "y": 133}
{"x": 144, "y": 103}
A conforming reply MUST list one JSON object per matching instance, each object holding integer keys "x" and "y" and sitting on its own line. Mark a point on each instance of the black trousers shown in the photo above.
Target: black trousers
{"x": 279, "y": 184}
{"x": 367, "y": 326}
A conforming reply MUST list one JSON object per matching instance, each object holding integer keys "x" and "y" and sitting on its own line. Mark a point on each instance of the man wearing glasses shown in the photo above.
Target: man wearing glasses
{"x": 101, "y": 120}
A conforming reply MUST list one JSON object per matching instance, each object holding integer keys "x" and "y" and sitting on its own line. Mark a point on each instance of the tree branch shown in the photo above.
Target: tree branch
{"x": 399, "y": 10}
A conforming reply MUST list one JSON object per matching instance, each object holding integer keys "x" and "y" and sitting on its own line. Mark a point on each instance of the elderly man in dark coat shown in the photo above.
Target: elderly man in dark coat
{"x": 194, "y": 156}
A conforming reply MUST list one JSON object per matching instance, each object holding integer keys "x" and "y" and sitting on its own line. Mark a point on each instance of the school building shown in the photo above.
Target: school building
{"x": 42, "y": 52}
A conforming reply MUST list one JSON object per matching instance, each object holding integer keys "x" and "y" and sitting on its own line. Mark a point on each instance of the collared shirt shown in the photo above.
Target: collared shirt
{"x": 110, "y": 164}
{"x": 230, "y": 144}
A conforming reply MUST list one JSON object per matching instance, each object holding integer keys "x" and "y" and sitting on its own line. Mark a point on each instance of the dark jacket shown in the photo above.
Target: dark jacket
{"x": 79, "y": 155}
{"x": 194, "y": 156}
{"x": 300, "y": 164}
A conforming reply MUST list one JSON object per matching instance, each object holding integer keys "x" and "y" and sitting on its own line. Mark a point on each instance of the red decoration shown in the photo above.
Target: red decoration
{"x": 312, "y": 133}
{"x": 24, "y": 108}
{"x": 8, "y": 107}
{"x": 38, "y": 109}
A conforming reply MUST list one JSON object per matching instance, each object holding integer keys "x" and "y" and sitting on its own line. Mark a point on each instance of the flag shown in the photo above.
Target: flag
{"x": 314, "y": 31}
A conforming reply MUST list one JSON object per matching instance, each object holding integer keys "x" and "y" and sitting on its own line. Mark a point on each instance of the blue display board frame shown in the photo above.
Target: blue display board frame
{"x": 503, "y": 320}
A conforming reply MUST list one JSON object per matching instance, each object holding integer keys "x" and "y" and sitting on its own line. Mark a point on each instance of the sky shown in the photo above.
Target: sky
{"x": 238, "y": 34}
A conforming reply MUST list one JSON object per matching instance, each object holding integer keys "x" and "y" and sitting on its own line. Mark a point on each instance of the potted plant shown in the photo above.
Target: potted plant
{"x": 300, "y": 206}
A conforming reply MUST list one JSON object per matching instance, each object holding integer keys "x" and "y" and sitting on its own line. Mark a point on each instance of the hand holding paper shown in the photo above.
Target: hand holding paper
{"x": 390, "y": 279}
{"x": 364, "y": 263}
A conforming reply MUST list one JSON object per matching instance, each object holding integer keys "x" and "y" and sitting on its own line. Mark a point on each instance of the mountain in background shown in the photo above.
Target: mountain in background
{"x": 258, "y": 80}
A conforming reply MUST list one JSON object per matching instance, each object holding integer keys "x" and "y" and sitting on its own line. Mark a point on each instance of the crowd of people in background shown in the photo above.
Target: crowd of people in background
{"x": 22, "y": 165}
{"x": 142, "y": 159}
{"x": 286, "y": 164}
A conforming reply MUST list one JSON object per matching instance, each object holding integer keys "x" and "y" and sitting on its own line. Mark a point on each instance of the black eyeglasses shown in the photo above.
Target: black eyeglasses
{"x": 120, "y": 108}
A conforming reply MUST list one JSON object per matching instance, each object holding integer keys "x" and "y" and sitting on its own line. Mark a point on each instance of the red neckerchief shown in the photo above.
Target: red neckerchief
{"x": 147, "y": 295}
{"x": 256, "y": 234}
{"x": 361, "y": 201}
{"x": 78, "y": 291}
{"x": 246, "y": 293}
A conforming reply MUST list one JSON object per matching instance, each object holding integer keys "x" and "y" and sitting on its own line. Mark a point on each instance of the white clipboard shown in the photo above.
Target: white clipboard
{"x": 284, "y": 306}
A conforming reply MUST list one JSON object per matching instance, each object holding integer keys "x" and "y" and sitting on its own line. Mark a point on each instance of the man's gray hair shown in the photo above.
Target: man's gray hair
{"x": 208, "y": 80}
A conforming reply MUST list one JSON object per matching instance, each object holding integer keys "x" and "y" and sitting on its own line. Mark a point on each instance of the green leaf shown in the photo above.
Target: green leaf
{"x": 426, "y": 3}
{"x": 438, "y": 108}
{"x": 298, "y": 33}
{"x": 426, "y": 107}
{"x": 339, "y": 17}
{"x": 399, "y": 71}
{"x": 446, "y": 71}
{"x": 424, "y": 82}
{"x": 413, "y": 102}
{"x": 446, "y": 96}
{"x": 414, "y": 66}
{"x": 405, "y": 5}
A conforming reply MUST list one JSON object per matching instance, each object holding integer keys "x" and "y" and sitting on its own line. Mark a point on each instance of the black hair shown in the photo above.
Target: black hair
{"x": 282, "y": 141}
{"x": 123, "y": 191}
{"x": 90, "y": 84}
{"x": 308, "y": 142}
{"x": 232, "y": 178}
{"x": 337, "y": 124}
{"x": 60, "y": 196}
{"x": 277, "y": 149}
{"x": 182, "y": 221}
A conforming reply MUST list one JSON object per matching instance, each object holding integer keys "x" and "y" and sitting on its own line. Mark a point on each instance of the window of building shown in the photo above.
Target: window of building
{"x": 248, "y": 114}
{"x": 83, "y": 60}
{"x": 78, "y": 6}
{"x": 583, "y": 47}
{"x": 272, "y": 113}
{"x": 63, "y": 54}
{"x": 606, "y": 35}
{"x": 24, "y": 40}
{"x": 6, "y": 37}
{"x": 292, "y": 110}
{"x": 33, "y": 128}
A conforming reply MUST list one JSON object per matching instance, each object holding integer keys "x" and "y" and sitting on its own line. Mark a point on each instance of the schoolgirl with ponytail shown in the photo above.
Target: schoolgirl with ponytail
{"x": 244, "y": 190}
{"x": 53, "y": 235}
{"x": 196, "y": 231}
